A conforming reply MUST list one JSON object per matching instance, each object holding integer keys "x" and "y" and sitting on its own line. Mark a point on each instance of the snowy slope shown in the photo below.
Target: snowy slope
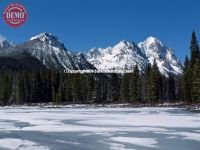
{"x": 52, "y": 52}
{"x": 80, "y": 61}
{"x": 125, "y": 55}
{"x": 4, "y": 43}
{"x": 165, "y": 58}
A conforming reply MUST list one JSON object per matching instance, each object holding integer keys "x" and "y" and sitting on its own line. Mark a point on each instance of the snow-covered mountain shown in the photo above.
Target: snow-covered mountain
{"x": 4, "y": 43}
{"x": 50, "y": 51}
{"x": 125, "y": 55}
{"x": 81, "y": 62}
{"x": 164, "y": 57}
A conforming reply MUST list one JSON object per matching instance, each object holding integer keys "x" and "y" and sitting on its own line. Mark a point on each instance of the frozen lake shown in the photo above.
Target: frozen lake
{"x": 99, "y": 129}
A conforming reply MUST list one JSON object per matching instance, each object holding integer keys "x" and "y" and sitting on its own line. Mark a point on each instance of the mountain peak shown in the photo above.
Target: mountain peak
{"x": 165, "y": 58}
{"x": 4, "y": 43}
{"x": 43, "y": 36}
{"x": 49, "y": 39}
{"x": 124, "y": 45}
{"x": 153, "y": 40}
{"x": 152, "y": 45}
{"x": 2, "y": 39}
{"x": 124, "y": 42}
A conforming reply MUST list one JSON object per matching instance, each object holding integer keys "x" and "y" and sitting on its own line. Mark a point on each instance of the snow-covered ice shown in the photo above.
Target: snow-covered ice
{"x": 99, "y": 128}
{"x": 145, "y": 142}
{"x": 14, "y": 144}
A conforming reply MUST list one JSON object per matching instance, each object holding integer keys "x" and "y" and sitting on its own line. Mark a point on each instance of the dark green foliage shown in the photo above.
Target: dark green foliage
{"x": 171, "y": 83}
{"x": 76, "y": 88}
{"x": 179, "y": 91}
{"x": 146, "y": 85}
{"x": 20, "y": 88}
{"x": 196, "y": 82}
{"x": 50, "y": 86}
{"x": 154, "y": 82}
{"x": 191, "y": 73}
{"x": 187, "y": 81}
{"x": 114, "y": 87}
{"x": 6, "y": 88}
{"x": 194, "y": 49}
{"x": 125, "y": 88}
{"x": 135, "y": 86}
{"x": 43, "y": 86}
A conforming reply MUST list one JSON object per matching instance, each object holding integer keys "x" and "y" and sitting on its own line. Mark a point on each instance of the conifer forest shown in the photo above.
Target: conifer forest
{"x": 45, "y": 85}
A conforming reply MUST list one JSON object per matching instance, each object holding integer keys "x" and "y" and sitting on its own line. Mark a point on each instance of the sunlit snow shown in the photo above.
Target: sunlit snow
{"x": 99, "y": 128}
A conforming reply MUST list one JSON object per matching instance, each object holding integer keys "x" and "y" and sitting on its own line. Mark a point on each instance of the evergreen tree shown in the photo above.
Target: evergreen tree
{"x": 154, "y": 80}
{"x": 5, "y": 88}
{"x": 146, "y": 84}
{"x": 48, "y": 86}
{"x": 187, "y": 80}
{"x": 76, "y": 88}
{"x": 115, "y": 85}
{"x": 135, "y": 87}
{"x": 179, "y": 88}
{"x": 55, "y": 80}
{"x": 20, "y": 89}
{"x": 196, "y": 82}
{"x": 36, "y": 88}
{"x": 171, "y": 90}
{"x": 27, "y": 86}
{"x": 90, "y": 87}
{"x": 96, "y": 92}
{"x": 68, "y": 88}
{"x": 84, "y": 88}
{"x": 124, "y": 88}
{"x": 194, "y": 49}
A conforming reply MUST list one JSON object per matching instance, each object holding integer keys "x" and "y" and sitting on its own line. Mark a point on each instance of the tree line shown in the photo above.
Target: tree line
{"x": 191, "y": 76}
{"x": 150, "y": 86}
{"x": 51, "y": 86}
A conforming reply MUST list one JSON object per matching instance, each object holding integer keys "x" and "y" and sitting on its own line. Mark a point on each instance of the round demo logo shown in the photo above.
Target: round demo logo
{"x": 15, "y": 15}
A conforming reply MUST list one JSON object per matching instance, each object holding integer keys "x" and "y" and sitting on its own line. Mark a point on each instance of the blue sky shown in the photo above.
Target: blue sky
{"x": 84, "y": 24}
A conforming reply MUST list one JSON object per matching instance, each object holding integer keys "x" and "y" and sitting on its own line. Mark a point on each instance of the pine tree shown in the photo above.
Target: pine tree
{"x": 6, "y": 88}
{"x": 171, "y": 90}
{"x": 154, "y": 80}
{"x": 48, "y": 86}
{"x": 76, "y": 88}
{"x": 36, "y": 88}
{"x": 68, "y": 88}
{"x": 20, "y": 89}
{"x": 84, "y": 89}
{"x": 55, "y": 80}
{"x": 196, "y": 82}
{"x": 179, "y": 88}
{"x": 96, "y": 93}
{"x": 191, "y": 69}
{"x": 90, "y": 87}
{"x": 125, "y": 88}
{"x": 103, "y": 88}
{"x": 135, "y": 87}
{"x": 146, "y": 84}
{"x": 194, "y": 49}
{"x": 115, "y": 85}
{"x": 187, "y": 80}
{"x": 27, "y": 86}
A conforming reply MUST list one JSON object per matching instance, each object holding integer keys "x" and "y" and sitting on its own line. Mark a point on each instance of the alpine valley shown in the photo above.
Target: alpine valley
{"x": 47, "y": 51}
